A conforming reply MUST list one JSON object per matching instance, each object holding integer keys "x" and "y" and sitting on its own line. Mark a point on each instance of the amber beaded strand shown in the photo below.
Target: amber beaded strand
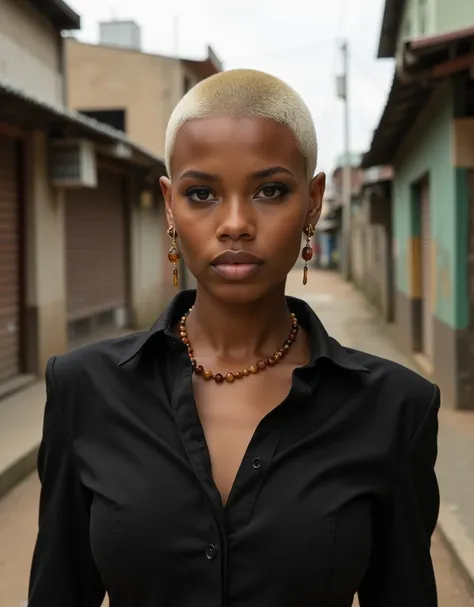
{"x": 306, "y": 254}
{"x": 260, "y": 365}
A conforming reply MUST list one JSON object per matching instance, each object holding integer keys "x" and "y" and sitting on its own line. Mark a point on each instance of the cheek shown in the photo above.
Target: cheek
{"x": 282, "y": 247}
{"x": 285, "y": 234}
{"x": 193, "y": 244}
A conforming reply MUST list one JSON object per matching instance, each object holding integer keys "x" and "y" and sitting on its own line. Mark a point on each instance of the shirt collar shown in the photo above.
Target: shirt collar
{"x": 322, "y": 345}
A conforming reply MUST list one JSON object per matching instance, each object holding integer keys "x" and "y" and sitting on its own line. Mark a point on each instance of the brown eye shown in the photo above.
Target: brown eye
{"x": 270, "y": 191}
{"x": 273, "y": 191}
{"x": 199, "y": 194}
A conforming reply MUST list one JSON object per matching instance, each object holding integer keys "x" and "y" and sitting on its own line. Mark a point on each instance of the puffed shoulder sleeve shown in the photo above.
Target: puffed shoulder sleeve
{"x": 401, "y": 570}
{"x": 63, "y": 571}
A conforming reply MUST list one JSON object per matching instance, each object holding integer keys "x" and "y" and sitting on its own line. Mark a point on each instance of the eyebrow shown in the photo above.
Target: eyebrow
{"x": 258, "y": 175}
{"x": 200, "y": 175}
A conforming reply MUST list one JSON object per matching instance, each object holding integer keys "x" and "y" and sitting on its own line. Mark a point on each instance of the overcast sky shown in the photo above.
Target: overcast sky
{"x": 296, "y": 40}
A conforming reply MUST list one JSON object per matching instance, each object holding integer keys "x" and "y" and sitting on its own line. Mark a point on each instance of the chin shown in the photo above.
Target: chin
{"x": 241, "y": 292}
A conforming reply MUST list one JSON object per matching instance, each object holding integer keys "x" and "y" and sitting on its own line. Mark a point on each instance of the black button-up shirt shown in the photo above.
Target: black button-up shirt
{"x": 336, "y": 492}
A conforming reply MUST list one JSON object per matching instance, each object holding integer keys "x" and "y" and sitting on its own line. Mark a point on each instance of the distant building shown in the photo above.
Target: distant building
{"x": 122, "y": 34}
{"x": 116, "y": 83}
{"x": 330, "y": 232}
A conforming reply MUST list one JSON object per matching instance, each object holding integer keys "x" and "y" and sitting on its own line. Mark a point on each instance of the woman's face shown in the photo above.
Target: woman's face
{"x": 239, "y": 185}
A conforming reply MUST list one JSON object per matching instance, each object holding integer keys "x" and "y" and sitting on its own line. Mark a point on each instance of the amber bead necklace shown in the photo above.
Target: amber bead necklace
{"x": 229, "y": 377}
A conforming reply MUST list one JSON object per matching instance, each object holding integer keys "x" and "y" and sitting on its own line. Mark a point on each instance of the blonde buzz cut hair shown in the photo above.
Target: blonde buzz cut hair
{"x": 246, "y": 93}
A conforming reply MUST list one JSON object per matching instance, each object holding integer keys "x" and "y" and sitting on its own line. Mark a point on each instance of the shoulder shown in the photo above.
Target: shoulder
{"x": 98, "y": 359}
{"x": 399, "y": 392}
{"x": 86, "y": 384}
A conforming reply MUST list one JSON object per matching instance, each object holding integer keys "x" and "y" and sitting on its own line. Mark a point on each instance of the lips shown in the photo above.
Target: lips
{"x": 236, "y": 265}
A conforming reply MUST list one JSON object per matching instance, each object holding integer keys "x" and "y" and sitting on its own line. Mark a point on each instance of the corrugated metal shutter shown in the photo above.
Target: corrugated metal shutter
{"x": 428, "y": 322}
{"x": 96, "y": 248}
{"x": 9, "y": 259}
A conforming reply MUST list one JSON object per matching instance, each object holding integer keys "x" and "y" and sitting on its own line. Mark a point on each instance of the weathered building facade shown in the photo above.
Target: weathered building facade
{"x": 76, "y": 202}
{"x": 427, "y": 132}
{"x": 116, "y": 83}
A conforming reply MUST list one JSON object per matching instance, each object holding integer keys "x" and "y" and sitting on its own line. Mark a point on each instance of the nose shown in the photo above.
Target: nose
{"x": 237, "y": 221}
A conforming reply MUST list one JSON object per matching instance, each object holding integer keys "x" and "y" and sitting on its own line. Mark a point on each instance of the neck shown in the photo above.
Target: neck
{"x": 239, "y": 330}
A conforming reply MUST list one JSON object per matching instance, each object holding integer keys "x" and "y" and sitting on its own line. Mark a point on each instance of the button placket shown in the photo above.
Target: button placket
{"x": 190, "y": 429}
{"x": 251, "y": 478}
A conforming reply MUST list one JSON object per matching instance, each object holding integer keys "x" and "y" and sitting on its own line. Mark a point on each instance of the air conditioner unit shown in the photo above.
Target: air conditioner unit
{"x": 73, "y": 163}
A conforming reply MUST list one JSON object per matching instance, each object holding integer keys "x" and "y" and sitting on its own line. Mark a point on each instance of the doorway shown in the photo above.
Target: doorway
{"x": 423, "y": 325}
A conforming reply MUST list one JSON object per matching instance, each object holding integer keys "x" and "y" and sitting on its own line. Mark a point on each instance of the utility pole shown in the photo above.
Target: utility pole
{"x": 343, "y": 93}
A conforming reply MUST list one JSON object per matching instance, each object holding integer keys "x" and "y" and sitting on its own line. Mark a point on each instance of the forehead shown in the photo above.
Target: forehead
{"x": 221, "y": 143}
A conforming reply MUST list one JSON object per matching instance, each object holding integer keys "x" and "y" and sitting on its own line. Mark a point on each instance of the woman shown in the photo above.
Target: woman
{"x": 235, "y": 454}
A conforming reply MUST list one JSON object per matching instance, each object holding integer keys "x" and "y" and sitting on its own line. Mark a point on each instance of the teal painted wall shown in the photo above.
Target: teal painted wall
{"x": 455, "y": 14}
{"x": 429, "y": 17}
{"x": 427, "y": 151}
{"x": 462, "y": 242}
{"x": 418, "y": 19}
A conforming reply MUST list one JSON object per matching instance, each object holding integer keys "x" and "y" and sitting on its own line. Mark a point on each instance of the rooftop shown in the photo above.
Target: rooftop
{"x": 25, "y": 111}
{"x": 59, "y": 13}
{"x": 424, "y": 65}
{"x": 391, "y": 21}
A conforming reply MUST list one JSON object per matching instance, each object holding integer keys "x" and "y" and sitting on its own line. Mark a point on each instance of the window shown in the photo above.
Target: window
{"x": 113, "y": 118}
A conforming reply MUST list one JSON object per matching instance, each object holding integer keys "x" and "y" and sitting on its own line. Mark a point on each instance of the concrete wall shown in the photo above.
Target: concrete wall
{"x": 372, "y": 252}
{"x": 151, "y": 277}
{"x": 28, "y": 40}
{"x": 146, "y": 86}
{"x": 45, "y": 260}
{"x": 427, "y": 151}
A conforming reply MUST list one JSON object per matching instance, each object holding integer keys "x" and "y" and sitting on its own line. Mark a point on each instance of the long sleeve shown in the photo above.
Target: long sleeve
{"x": 63, "y": 572}
{"x": 401, "y": 570}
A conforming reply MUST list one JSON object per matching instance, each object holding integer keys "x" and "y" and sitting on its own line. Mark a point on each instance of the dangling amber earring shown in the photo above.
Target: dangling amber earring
{"x": 307, "y": 252}
{"x": 173, "y": 254}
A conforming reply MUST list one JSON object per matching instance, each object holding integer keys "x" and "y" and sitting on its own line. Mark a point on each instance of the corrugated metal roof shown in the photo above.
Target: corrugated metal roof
{"x": 403, "y": 106}
{"x": 391, "y": 21}
{"x": 440, "y": 40}
{"x": 424, "y": 63}
{"x": 23, "y": 109}
{"x": 59, "y": 13}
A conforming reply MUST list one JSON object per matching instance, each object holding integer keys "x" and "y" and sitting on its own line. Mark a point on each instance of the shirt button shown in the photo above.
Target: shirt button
{"x": 211, "y": 552}
{"x": 256, "y": 463}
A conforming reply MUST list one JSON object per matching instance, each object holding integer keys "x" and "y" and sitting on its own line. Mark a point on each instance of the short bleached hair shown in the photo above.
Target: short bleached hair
{"x": 246, "y": 93}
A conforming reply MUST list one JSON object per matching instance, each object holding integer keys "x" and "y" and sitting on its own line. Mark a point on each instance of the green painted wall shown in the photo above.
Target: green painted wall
{"x": 462, "y": 249}
{"x": 428, "y": 17}
{"x": 427, "y": 151}
{"x": 452, "y": 15}
{"x": 418, "y": 19}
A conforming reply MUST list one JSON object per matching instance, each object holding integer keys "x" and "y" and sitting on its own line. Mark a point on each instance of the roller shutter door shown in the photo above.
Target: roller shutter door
{"x": 96, "y": 248}
{"x": 10, "y": 259}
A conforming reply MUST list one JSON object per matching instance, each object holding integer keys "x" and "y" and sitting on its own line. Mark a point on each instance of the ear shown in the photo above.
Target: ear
{"x": 317, "y": 188}
{"x": 166, "y": 188}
